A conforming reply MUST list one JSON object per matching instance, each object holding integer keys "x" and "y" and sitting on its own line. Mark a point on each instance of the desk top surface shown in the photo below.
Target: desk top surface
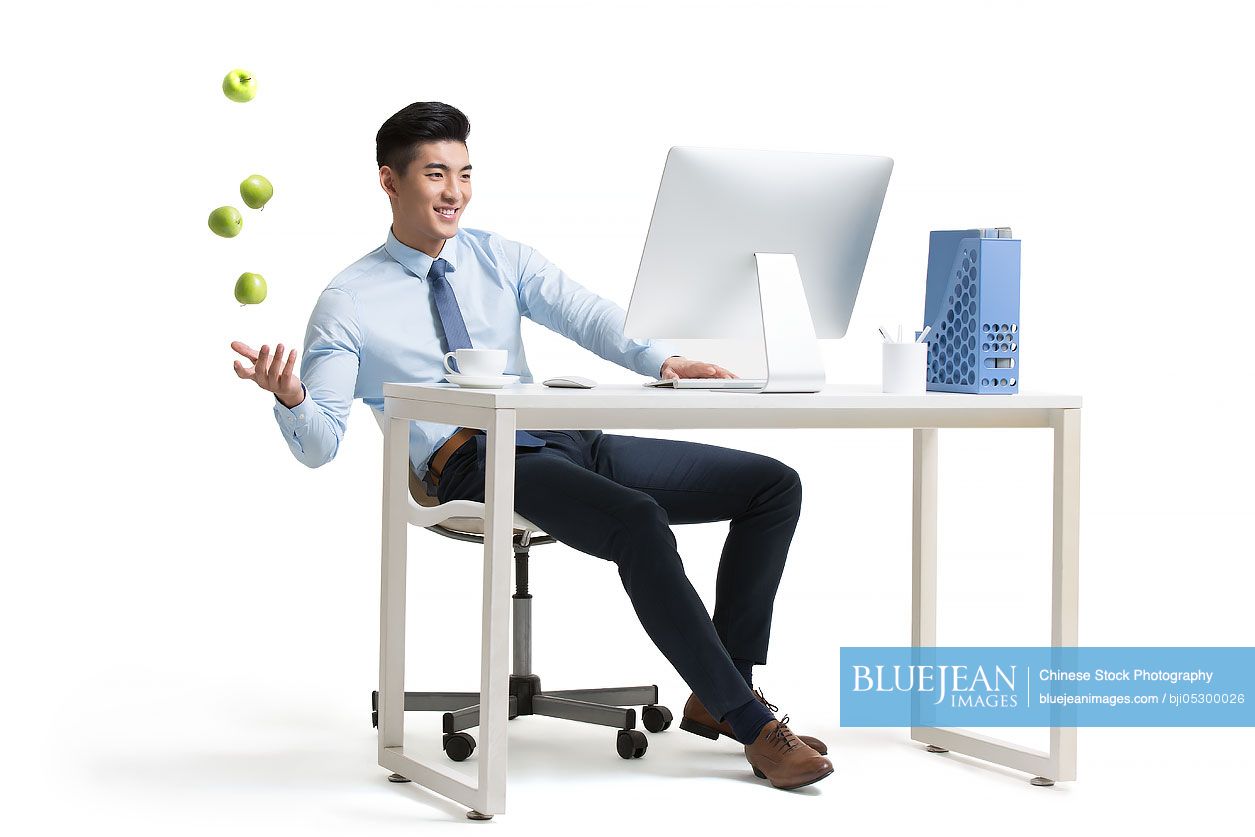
{"x": 637, "y": 396}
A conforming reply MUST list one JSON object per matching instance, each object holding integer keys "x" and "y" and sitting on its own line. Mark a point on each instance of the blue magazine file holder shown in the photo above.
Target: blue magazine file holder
{"x": 972, "y": 303}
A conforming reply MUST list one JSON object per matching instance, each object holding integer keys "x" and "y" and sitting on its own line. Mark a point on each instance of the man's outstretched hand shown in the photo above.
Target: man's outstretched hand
{"x": 271, "y": 374}
{"x": 682, "y": 367}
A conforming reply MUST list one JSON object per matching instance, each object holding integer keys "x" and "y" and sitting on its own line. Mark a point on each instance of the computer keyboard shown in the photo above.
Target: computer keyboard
{"x": 709, "y": 383}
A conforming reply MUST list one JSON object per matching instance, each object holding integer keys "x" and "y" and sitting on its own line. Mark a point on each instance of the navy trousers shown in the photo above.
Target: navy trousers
{"x": 615, "y": 497}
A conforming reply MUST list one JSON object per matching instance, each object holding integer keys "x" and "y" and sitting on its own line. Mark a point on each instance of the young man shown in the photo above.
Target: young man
{"x": 433, "y": 287}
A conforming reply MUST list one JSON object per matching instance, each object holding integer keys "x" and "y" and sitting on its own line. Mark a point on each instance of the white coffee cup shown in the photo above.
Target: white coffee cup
{"x": 904, "y": 367}
{"x": 486, "y": 363}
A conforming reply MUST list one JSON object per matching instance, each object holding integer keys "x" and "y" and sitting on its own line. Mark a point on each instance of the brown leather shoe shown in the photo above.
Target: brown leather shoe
{"x": 698, "y": 720}
{"x": 781, "y": 758}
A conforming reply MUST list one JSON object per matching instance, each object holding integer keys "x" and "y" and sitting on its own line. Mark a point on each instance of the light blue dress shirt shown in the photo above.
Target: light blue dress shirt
{"x": 376, "y": 321}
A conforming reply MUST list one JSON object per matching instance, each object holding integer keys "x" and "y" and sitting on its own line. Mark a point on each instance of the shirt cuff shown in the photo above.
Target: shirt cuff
{"x": 652, "y": 360}
{"x": 296, "y": 420}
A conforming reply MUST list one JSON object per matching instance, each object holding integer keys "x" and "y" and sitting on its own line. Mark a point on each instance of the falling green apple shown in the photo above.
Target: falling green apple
{"x": 256, "y": 190}
{"x": 239, "y": 86}
{"x": 250, "y": 289}
{"x": 226, "y": 221}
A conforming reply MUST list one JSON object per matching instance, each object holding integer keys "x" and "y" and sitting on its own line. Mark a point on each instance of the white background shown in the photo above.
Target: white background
{"x": 190, "y": 617}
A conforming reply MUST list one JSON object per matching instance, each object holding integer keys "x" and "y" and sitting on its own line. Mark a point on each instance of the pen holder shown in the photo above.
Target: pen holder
{"x": 903, "y": 367}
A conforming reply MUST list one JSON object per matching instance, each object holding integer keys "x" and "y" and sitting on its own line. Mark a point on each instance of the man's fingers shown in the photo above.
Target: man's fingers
{"x": 714, "y": 370}
{"x": 285, "y": 377}
{"x": 262, "y": 366}
{"x": 269, "y": 371}
{"x": 244, "y": 349}
{"x": 276, "y": 368}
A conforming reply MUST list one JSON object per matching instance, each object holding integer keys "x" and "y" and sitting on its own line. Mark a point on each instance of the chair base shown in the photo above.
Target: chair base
{"x": 610, "y": 707}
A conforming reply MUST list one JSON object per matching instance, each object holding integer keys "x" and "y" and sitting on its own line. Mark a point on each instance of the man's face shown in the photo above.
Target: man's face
{"x": 428, "y": 201}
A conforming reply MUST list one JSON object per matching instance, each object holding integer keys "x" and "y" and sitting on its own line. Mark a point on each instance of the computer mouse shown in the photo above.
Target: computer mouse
{"x": 573, "y": 381}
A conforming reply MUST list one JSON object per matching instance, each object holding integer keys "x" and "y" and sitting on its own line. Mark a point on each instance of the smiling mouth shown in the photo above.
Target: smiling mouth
{"x": 445, "y": 212}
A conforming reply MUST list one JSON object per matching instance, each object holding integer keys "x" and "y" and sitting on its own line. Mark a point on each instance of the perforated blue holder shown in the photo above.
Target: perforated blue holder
{"x": 973, "y": 305}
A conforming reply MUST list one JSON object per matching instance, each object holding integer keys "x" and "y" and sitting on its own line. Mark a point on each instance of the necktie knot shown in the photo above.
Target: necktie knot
{"x": 438, "y": 268}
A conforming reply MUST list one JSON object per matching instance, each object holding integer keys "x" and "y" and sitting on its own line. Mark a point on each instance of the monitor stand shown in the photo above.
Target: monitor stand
{"x": 794, "y": 363}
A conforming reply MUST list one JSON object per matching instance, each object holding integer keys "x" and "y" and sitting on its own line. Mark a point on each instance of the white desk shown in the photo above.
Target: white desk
{"x": 531, "y": 406}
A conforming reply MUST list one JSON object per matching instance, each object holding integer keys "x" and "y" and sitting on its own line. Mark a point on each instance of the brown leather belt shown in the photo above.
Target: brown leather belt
{"x": 435, "y": 465}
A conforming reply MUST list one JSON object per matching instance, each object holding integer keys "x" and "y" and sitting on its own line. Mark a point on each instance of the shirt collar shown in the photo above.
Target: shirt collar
{"x": 418, "y": 262}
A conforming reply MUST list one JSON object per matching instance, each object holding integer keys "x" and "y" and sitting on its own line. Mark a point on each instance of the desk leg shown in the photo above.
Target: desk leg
{"x": 494, "y": 685}
{"x": 1065, "y": 568}
{"x": 392, "y": 588}
{"x": 923, "y": 554}
{"x": 487, "y": 796}
{"x": 1059, "y": 764}
{"x": 924, "y": 538}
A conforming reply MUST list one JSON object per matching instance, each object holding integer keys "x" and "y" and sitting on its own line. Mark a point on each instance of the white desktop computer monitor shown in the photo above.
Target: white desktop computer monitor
{"x": 748, "y": 244}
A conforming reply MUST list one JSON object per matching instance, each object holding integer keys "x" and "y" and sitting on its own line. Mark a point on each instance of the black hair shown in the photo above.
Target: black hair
{"x": 396, "y": 144}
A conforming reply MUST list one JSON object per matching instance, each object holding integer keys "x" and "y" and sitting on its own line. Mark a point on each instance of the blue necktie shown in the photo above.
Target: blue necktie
{"x": 455, "y": 333}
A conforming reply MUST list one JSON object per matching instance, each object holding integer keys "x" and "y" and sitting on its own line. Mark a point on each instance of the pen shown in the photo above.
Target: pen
{"x": 923, "y": 334}
{"x": 882, "y": 334}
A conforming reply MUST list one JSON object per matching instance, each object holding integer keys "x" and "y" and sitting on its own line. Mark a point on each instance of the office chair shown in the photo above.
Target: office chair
{"x": 607, "y": 706}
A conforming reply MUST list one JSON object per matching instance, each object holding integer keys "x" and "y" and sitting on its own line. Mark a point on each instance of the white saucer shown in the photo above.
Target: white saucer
{"x": 481, "y": 381}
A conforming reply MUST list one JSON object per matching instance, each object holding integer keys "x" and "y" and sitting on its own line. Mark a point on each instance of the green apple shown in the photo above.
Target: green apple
{"x": 226, "y": 221}
{"x": 250, "y": 289}
{"x": 256, "y": 190}
{"x": 239, "y": 86}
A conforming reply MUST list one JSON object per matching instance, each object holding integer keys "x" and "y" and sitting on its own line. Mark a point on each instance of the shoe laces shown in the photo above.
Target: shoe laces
{"x": 782, "y": 736}
{"x": 766, "y": 702}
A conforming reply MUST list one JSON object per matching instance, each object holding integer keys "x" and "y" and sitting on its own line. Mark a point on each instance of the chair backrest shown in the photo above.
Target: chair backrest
{"x": 471, "y": 519}
{"x": 418, "y": 488}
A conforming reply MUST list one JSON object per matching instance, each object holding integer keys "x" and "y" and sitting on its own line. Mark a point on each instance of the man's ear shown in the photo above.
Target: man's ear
{"x": 387, "y": 181}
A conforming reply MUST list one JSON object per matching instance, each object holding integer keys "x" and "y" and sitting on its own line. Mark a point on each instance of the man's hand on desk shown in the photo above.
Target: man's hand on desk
{"x": 271, "y": 374}
{"x": 682, "y": 367}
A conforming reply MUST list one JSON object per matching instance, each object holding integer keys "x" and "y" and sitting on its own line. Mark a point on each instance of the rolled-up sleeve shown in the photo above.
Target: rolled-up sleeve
{"x": 333, "y": 344}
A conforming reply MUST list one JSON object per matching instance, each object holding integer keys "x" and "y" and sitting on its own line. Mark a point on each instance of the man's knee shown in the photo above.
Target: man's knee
{"x": 792, "y": 481}
{"x": 784, "y": 481}
{"x": 640, "y": 528}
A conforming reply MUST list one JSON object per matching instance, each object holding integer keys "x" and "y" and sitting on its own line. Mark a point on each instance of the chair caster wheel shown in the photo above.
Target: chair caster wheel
{"x": 1041, "y": 781}
{"x": 631, "y": 743}
{"x": 476, "y": 815}
{"x": 458, "y": 746}
{"x": 398, "y": 779}
{"x": 933, "y": 748}
{"x": 656, "y": 718}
